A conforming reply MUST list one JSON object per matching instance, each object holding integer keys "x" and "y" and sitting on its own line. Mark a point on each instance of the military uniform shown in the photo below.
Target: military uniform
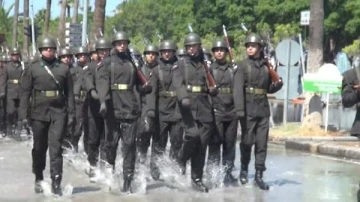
{"x": 163, "y": 104}
{"x": 12, "y": 75}
{"x": 3, "y": 60}
{"x": 350, "y": 95}
{"x": 226, "y": 121}
{"x": 81, "y": 101}
{"x": 180, "y": 53}
{"x": 252, "y": 83}
{"x": 96, "y": 123}
{"x": 189, "y": 79}
{"x": 52, "y": 111}
{"x": 117, "y": 81}
{"x": 147, "y": 126}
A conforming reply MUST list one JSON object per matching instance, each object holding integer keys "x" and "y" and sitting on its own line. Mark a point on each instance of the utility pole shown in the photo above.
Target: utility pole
{"x": 84, "y": 22}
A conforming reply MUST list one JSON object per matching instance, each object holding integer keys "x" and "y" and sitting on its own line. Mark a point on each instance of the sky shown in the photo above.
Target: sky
{"x": 55, "y": 7}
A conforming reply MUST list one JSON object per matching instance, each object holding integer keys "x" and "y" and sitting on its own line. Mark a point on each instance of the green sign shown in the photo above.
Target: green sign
{"x": 318, "y": 84}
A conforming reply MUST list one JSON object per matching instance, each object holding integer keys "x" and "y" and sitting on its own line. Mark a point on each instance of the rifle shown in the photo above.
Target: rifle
{"x": 228, "y": 45}
{"x": 95, "y": 37}
{"x": 190, "y": 27}
{"x": 135, "y": 64}
{"x": 274, "y": 76}
{"x": 114, "y": 30}
{"x": 145, "y": 41}
{"x": 209, "y": 76}
{"x": 58, "y": 43}
{"x": 100, "y": 32}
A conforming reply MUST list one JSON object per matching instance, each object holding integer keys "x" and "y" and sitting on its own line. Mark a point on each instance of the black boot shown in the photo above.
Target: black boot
{"x": 38, "y": 178}
{"x": 55, "y": 185}
{"x": 127, "y": 186}
{"x": 230, "y": 180}
{"x": 199, "y": 185}
{"x": 244, "y": 174}
{"x": 259, "y": 181}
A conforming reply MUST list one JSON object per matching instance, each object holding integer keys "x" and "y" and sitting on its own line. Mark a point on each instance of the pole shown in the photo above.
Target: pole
{"x": 327, "y": 111}
{"x": 32, "y": 27}
{"x": 287, "y": 84}
{"x": 84, "y": 23}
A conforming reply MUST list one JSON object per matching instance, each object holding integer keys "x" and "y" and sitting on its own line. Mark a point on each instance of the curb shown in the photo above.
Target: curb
{"x": 322, "y": 148}
{"x": 316, "y": 139}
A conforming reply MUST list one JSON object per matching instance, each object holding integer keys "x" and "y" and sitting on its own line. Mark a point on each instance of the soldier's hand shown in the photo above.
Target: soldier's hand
{"x": 103, "y": 109}
{"x": 94, "y": 94}
{"x": 354, "y": 87}
{"x": 185, "y": 102}
{"x": 146, "y": 88}
{"x": 150, "y": 113}
{"x": 77, "y": 99}
{"x": 24, "y": 123}
{"x": 213, "y": 91}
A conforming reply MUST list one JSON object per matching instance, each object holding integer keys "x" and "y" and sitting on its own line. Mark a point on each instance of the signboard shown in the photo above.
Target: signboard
{"x": 305, "y": 18}
{"x": 73, "y": 34}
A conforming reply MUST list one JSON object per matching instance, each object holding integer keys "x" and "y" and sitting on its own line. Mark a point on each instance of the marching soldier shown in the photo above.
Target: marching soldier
{"x": 12, "y": 77}
{"x": 3, "y": 62}
{"x": 96, "y": 124}
{"x": 92, "y": 53}
{"x": 190, "y": 81}
{"x": 118, "y": 79}
{"x": 252, "y": 107}
{"x": 65, "y": 56}
{"x": 50, "y": 86}
{"x": 226, "y": 121}
{"x": 181, "y": 52}
{"x": 81, "y": 104}
{"x": 146, "y": 125}
{"x": 163, "y": 103}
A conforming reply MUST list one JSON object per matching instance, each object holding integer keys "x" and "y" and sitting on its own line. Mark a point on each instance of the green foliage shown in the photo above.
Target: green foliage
{"x": 352, "y": 49}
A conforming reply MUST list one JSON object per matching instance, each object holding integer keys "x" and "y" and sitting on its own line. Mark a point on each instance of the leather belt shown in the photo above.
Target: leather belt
{"x": 196, "y": 89}
{"x": 224, "y": 90}
{"x": 120, "y": 87}
{"x": 256, "y": 91}
{"x": 48, "y": 93}
{"x": 14, "y": 81}
{"x": 167, "y": 94}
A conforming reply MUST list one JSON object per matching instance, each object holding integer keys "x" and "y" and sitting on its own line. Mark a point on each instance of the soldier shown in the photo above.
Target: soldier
{"x": 117, "y": 80}
{"x": 180, "y": 53}
{"x": 50, "y": 87}
{"x": 65, "y": 56}
{"x": 190, "y": 81}
{"x": 3, "y": 62}
{"x": 93, "y": 53}
{"x": 146, "y": 125}
{"x": 163, "y": 103}
{"x": 208, "y": 53}
{"x": 252, "y": 107}
{"x": 81, "y": 104}
{"x": 12, "y": 77}
{"x": 226, "y": 121}
{"x": 350, "y": 93}
{"x": 96, "y": 139}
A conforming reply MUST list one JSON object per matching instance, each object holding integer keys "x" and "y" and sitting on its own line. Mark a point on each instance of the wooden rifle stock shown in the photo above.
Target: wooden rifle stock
{"x": 139, "y": 74}
{"x": 209, "y": 76}
{"x": 274, "y": 76}
{"x": 228, "y": 45}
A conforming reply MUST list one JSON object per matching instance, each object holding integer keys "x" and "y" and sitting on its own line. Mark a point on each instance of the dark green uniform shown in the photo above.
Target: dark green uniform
{"x": 253, "y": 78}
{"x": 189, "y": 79}
{"x": 52, "y": 108}
{"x": 4, "y": 60}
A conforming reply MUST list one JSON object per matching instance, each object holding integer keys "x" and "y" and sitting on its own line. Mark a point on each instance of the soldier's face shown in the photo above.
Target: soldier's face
{"x": 121, "y": 46}
{"x": 81, "y": 58}
{"x": 193, "y": 50}
{"x": 167, "y": 54}
{"x": 94, "y": 56}
{"x": 66, "y": 59}
{"x": 150, "y": 57}
{"x": 219, "y": 53}
{"x": 48, "y": 52}
{"x": 252, "y": 49}
{"x": 103, "y": 53}
{"x": 15, "y": 57}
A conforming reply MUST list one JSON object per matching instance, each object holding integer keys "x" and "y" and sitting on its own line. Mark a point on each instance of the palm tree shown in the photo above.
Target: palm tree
{"x": 15, "y": 24}
{"x": 5, "y": 20}
{"x": 47, "y": 16}
{"x": 74, "y": 18}
{"x": 26, "y": 24}
{"x": 99, "y": 17}
{"x": 61, "y": 30}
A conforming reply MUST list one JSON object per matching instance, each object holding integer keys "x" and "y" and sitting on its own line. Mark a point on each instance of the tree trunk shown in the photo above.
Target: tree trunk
{"x": 47, "y": 16}
{"x": 61, "y": 31}
{"x": 15, "y": 24}
{"x": 75, "y": 12}
{"x": 99, "y": 17}
{"x": 26, "y": 24}
{"x": 316, "y": 35}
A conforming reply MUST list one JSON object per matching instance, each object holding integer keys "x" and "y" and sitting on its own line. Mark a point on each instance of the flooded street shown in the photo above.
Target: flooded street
{"x": 293, "y": 176}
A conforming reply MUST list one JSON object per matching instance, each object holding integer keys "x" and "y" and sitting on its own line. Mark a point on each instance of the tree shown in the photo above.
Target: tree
{"x": 74, "y": 18}
{"x": 26, "y": 24}
{"x": 47, "y": 16}
{"x": 61, "y": 32}
{"x": 15, "y": 24}
{"x": 99, "y": 17}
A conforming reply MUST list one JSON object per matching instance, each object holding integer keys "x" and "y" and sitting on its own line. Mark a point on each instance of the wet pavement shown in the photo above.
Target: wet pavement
{"x": 292, "y": 175}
